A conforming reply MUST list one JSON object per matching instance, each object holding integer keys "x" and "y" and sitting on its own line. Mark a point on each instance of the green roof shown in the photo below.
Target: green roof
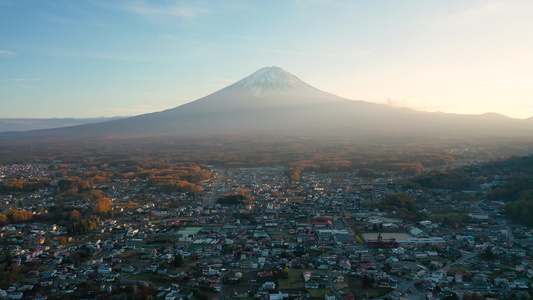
{"x": 190, "y": 230}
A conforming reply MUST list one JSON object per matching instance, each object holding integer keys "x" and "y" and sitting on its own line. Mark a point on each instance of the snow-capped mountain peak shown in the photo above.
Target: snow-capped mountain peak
{"x": 272, "y": 81}
{"x": 270, "y": 87}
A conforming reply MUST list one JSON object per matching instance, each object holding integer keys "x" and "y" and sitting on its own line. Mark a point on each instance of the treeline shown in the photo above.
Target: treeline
{"x": 170, "y": 184}
{"x": 81, "y": 227}
{"x": 521, "y": 210}
{"x": 15, "y": 185}
{"x": 237, "y": 199}
{"x": 79, "y": 179}
{"x": 450, "y": 180}
{"x": 518, "y": 193}
{"x": 16, "y": 216}
{"x": 471, "y": 176}
{"x": 174, "y": 178}
{"x": 76, "y": 223}
{"x": 403, "y": 204}
{"x": 403, "y": 163}
{"x": 395, "y": 165}
{"x": 294, "y": 170}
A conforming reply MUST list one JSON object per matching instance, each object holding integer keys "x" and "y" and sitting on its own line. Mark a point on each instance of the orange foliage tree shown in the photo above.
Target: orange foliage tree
{"x": 102, "y": 206}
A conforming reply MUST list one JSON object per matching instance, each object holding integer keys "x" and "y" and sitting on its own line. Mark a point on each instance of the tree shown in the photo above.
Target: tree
{"x": 487, "y": 254}
{"x": 74, "y": 215}
{"x": 295, "y": 176}
{"x": 94, "y": 196}
{"x": 367, "y": 173}
{"x": 102, "y": 206}
{"x": 82, "y": 227}
{"x": 14, "y": 275}
{"x": 178, "y": 261}
{"x": 20, "y": 216}
{"x": 358, "y": 239}
{"x": 367, "y": 281}
{"x": 3, "y": 219}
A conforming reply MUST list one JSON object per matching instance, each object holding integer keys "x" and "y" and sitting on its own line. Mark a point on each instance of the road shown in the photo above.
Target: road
{"x": 213, "y": 198}
{"x": 332, "y": 285}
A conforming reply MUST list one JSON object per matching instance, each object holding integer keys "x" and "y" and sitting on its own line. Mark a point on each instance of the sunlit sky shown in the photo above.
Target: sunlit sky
{"x": 64, "y": 58}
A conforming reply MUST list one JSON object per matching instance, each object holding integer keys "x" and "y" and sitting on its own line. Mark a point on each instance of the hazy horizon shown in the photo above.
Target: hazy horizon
{"x": 63, "y": 59}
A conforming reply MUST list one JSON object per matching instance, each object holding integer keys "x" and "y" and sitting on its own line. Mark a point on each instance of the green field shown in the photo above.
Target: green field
{"x": 190, "y": 230}
{"x": 295, "y": 280}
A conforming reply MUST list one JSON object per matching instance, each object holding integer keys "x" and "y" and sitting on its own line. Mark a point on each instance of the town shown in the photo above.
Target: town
{"x": 254, "y": 233}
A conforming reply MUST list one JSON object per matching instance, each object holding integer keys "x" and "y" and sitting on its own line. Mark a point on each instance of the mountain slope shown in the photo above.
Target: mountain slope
{"x": 273, "y": 100}
{"x": 270, "y": 87}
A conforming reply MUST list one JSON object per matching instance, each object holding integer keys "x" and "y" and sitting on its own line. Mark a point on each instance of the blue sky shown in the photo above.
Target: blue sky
{"x": 115, "y": 58}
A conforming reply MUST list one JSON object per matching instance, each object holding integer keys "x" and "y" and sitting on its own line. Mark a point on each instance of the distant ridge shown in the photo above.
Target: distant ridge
{"x": 24, "y": 124}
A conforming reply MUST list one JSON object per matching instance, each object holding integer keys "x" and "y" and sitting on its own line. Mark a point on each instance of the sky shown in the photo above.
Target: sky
{"x": 93, "y": 58}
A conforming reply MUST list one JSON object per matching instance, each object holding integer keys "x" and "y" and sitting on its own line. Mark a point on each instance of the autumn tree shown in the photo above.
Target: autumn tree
{"x": 20, "y": 216}
{"x": 93, "y": 195}
{"x": 3, "y": 219}
{"x": 102, "y": 206}
{"x": 74, "y": 215}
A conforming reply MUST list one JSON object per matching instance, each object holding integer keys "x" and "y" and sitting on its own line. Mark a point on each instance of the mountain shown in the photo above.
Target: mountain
{"x": 271, "y": 100}
{"x": 25, "y": 124}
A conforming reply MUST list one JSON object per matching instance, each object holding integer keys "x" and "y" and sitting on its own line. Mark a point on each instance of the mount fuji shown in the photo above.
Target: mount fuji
{"x": 272, "y": 100}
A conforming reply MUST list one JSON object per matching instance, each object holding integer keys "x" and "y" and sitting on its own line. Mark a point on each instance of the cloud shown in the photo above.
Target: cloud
{"x": 23, "y": 79}
{"x": 76, "y": 19}
{"x": 24, "y": 86}
{"x": 421, "y": 103}
{"x": 251, "y": 43}
{"x": 483, "y": 11}
{"x": 154, "y": 11}
{"x": 114, "y": 56}
{"x": 23, "y": 83}
{"x": 7, "y": 53}
{"x": 474, "y": 15}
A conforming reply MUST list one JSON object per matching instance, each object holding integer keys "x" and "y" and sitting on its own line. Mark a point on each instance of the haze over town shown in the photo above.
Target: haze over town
{"x": 100, "y": 58}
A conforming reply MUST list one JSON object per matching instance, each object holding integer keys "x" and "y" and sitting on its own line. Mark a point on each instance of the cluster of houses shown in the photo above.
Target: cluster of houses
{"x": 316, "y": 238}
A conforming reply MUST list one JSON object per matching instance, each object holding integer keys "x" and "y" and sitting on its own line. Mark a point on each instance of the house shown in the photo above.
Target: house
{"x": 15, "y": 295}
{"x": 104, "y": 269}
{"x": 269, "y": 285}
{"x": 331, "y": 296}
{"x": 479, "y": 216}
{"x": 265, "y": 274}
{"x": 338, "y": 278}
{"x": 416, "y": 232}
{"x": 311, "y": 285}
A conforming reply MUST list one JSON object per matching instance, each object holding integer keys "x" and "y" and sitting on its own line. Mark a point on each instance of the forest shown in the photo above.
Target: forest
{"x": 403, "y": 154}
{"x": 516, "y": 189}
{"x": 77, "y": 181}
